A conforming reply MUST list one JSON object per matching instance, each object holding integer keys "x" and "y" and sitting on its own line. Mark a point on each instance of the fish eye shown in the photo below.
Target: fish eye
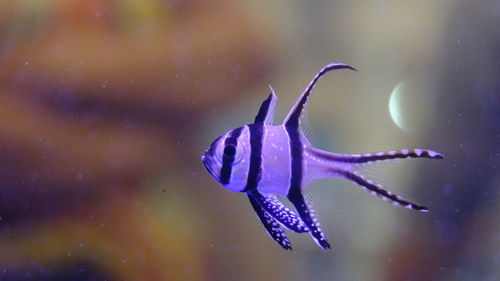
{"x": 229, "y": 151}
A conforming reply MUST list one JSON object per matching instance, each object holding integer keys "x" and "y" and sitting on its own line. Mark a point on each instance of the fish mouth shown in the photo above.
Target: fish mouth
{"x": 206, "y": 163}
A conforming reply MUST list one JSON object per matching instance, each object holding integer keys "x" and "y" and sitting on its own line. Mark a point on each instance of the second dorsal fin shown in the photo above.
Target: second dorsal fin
{"x": 266, "y": 111}
{"x": 293, "y": 117}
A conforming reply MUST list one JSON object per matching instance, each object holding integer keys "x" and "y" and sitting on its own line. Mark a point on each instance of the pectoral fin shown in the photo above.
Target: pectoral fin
{"x": 273, "y": 228}
{"x": 281, "y": 213}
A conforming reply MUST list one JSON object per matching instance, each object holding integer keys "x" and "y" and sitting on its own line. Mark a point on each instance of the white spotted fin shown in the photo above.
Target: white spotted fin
{"x": 272, "y": 227}
{"x": 279, "y": 211}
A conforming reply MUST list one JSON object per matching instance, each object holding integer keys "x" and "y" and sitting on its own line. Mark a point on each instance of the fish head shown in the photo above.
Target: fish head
{"x": 226, "y": 159}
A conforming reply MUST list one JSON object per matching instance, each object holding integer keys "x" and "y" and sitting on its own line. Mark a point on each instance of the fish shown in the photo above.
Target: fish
{"x": 265, "y": 161}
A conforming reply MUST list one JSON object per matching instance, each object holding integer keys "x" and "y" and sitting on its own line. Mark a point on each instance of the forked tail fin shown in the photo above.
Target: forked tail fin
{"x": 378, "y": 190}
{"x": 374, "y": 157}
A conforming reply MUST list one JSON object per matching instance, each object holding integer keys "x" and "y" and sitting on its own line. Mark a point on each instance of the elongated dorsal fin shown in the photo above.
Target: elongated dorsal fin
{"x": 293, "y": 117}
{"x": 266, "y": 111}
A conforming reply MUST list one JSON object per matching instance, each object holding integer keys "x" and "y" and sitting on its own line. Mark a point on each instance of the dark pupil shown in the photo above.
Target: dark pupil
{"x": 229, "y": 150}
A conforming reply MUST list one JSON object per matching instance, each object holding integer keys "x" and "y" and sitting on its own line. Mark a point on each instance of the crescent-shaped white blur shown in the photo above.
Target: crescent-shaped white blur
{"x": 395, "y": 106}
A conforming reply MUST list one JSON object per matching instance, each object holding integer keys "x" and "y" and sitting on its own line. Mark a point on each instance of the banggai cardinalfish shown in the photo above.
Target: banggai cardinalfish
{"x": 263, "y": 160}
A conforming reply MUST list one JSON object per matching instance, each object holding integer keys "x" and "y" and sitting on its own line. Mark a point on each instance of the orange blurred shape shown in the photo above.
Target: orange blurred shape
{"x": 126, "y": 240}
{"x": 87, "y": 107}
{"x": 77, "y": 14}
{"x": 94, "y": 99}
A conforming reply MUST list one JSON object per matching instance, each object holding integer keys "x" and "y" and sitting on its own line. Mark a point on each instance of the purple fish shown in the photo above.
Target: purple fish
{"x": 262, "y": 160}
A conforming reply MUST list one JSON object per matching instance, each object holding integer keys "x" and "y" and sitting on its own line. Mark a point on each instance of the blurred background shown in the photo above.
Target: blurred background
{"x": 106, "y": 107}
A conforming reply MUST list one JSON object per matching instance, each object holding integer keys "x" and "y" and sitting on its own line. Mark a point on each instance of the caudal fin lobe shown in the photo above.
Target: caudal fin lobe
{"x": 378, "y": 190}
{"x": 368, "y": 158}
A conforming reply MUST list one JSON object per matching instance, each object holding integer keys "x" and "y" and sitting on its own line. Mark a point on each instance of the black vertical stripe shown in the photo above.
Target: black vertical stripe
{"x": 264, "y": 109}
{"x": 294, "y": 193}
{"x": 227, "y": 160}
{"x": 295, "y": 159}
{"x": 256, "y": 139}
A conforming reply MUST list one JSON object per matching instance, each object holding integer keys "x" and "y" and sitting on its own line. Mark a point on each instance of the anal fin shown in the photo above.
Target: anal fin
{"x": 307, "y": 215}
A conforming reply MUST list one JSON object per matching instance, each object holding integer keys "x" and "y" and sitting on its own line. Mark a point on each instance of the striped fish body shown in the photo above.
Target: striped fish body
{"x": 273, "y": 173}
{"x": 262, "y": 160}
{"x": 276, "y": 161}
